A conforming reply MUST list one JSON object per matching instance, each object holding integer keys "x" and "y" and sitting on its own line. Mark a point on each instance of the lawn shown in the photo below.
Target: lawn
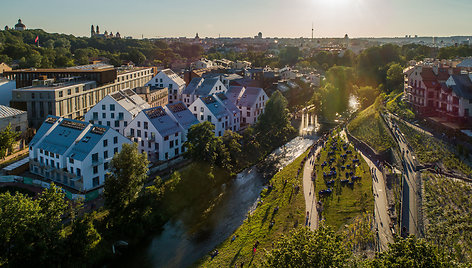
{"x": 369, "y": 127}
{"x": 346, "y": 202}
{"x": 399, "y": 107}
{"x": 290, "y": 214}
{"x": 448, "y": 215}
{"x": 431, "y": 150}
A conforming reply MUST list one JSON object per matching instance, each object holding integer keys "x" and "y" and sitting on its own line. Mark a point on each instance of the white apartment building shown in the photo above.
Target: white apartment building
{"x": 233, "y": 111}
{"x": 251, "y": 102}
{"x": 167, "y": 78}
{"x": 156, "y": 133}
{"x": 74, "y": 153}
{"x": 211, "y": 110}
{"x": 201, "y": 87}
{"x": 182, "y": 115}
{"x": 202, "y": 64}
{"x": 117, "y": 110}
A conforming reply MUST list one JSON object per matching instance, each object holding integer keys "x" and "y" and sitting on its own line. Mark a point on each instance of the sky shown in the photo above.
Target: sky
{"x": 244, "y": 18}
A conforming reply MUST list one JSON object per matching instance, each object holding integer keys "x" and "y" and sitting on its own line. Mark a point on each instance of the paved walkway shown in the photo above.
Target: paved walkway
{"x": 382, "y": 219}
{"x": 310, "y": 193}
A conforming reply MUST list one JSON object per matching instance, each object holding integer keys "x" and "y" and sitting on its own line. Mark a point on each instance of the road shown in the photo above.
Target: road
{"x": 410, "y": 183}
{"x": 382, "y": 219}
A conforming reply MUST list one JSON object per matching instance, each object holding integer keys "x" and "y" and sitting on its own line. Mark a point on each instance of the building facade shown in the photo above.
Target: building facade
{"x": 167, "y": 78}
{"x": 201, "y": 87}
{"x": 117, "y": 110}
{"x": 154, "y": 96}
{"x": 210, "y": 109}
{"x": 73, "y": 153}
{"x": 70, "y": 92}
{"x": 17, "y": 118}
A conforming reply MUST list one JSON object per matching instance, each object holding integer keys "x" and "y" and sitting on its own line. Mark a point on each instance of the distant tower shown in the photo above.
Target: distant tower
{"x": 312, "y": 31}
{"x": 346, "y": 41}
{"x": 6, "y": 28}
{"x": 196, "y": 36}
{"x": 259, "y": 35}
{"x": 20, "y": 26}
{"x": 92, "y": 31}
{"x": 98, "y": 30}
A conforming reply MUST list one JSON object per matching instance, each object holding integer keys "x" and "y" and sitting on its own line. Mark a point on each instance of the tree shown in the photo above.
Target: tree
{"x": 202, "y": 145}
{"x": 304, "y": 248}
{"x": 367, "y": 96}
{"x": 411, "y": 252}
{"x": 289, "y": 56}
{"x": 83, "y": 239}
{"x": 273, "y": 126}
{"x": 231, "y": 140}
{"x": 394, "y": 77}
{"x": 128, "y": 172}
{"x": 30, "y": 230}
{"x": 7, "y": 139}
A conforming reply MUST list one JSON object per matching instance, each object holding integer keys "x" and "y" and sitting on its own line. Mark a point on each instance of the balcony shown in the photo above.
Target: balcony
{"x": 97, "y": 161}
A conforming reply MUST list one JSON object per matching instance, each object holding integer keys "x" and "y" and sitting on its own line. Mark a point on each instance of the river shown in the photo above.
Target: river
{"x": 178, "y": 246}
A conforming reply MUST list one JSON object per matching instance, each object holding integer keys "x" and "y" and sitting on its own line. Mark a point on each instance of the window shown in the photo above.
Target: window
{"x": 117, "y": 123}
{"x": 79, "y": 172}
{"x": 104, "y": 115}
{"x": 105, "y": 154}
{"x": 115, "y": 150}
{"x": 69, "y": 91}
{"x": 202, "y": 109}
{"x": 57, "y": 156}
{"x": 166, "y": 138}
{"x": 95, "y": 181}
{"x": 112, "y": 115}
{"x": 248, "y": 114}
{"x": 108, "y": 123}
{"x": 201, "y": 117}
{"x": 71, "y": 160}
{"x": 139, "y": 123}
{"x": 115, "y": 140}
{"x": 41, "y": 159}
{"x": 145, "y": 125}
{"x": 112, "y": 107}
{"x": 120, "y": 116}
{"x": 195, "y": 108}
{"x": 166, "y": 155}
{"x": 156, "y": 146}
{"x": 103, "y": 107}
{"x": 145, "y": 134}
{"x": 176, "y": 151}
{"x": 76, "y": 90}
{"x": 105, "y": 165}
{"x": 95, "y": 157}
{"x": 139, "y": 133}
{"x": 105, "y": 143}
{"x": 132, "y": 132}
{"x": 95, "y": 169}
{"x": 71, "y": 169}
{"x": 47, "y": 162}
{"x": 125, "y": 123}
{"x": 209, "y": 118}
{"x": 99, "y": 122}
{"x": 171, "y": 144}
{"x": 61, "y": 94}
{"x": 142, "y": 143}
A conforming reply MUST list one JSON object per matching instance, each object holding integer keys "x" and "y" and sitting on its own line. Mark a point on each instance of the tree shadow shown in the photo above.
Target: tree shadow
{"x": 233, "y": 261}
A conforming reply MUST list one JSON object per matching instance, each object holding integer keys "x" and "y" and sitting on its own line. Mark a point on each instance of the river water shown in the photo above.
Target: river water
{"x": 180, "y": 245}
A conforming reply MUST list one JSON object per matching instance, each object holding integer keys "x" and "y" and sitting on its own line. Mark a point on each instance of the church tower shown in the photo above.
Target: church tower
{"x": 92, "y": 32}
{"x": 98, "y": 30}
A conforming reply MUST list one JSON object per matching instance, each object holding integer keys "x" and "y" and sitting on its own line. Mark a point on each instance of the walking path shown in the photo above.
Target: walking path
{"x": 382, "y": 219}
{"x": 309, "y": 191}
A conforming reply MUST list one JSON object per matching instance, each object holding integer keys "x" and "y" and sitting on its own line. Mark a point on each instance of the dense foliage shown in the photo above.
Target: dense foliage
{"x": 60, "y": 50}
{"x": 7, "y": 139}
{"x": 304, "y": 248}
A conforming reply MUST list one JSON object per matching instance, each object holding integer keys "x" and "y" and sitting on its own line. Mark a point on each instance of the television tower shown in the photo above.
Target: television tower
{"x": 312, "y": 30}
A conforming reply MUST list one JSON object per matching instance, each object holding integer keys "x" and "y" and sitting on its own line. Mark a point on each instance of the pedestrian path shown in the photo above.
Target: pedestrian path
{"x": 309, "y": 192}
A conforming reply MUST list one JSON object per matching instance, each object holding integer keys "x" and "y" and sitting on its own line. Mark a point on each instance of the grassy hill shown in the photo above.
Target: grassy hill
{"x": 369, "y": 127}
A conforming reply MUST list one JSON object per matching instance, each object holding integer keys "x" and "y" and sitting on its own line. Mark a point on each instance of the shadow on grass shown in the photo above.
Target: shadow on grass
{"x": 233, "y": 261}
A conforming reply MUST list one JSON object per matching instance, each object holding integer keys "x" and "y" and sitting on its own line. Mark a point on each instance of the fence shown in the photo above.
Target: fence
{"x": 38, "y": 183}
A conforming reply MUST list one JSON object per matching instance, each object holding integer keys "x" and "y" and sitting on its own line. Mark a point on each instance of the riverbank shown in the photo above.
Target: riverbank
{"x": 282, "y": 208}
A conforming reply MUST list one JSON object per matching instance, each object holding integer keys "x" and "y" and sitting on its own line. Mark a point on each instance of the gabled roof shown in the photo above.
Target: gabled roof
{"x": 44, "y": 128}
{"x": 228, "y": 103}
{"x": 130, "y": 101}
{"x": 92, "y": 137}
{"x": 216, "y": 108}
{"x": 205, "y": 88}
{"x": 463, "y": 85}
{"x": 250, "y": 96}
{"x": 182, "y": 114}
{"x": 467, "y": 63}
{"x": 61, "y": 137}
{"x": 6, "y": 111}
{"x": 163, "y": 122}
{"x": 234, "y": 92}
{"x": 193, "y": 85}
{"x": 174, "y": 77}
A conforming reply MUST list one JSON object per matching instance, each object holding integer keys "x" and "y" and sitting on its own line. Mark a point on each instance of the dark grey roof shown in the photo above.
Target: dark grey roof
{"x": 463, "y": 85}
{"x": 467, "y": 63}
{"x": 193, "y": 85}
{"x": 205, "y": 88}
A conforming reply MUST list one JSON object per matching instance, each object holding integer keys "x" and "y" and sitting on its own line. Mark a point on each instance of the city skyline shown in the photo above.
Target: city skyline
{"x": 278, "y": 18}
